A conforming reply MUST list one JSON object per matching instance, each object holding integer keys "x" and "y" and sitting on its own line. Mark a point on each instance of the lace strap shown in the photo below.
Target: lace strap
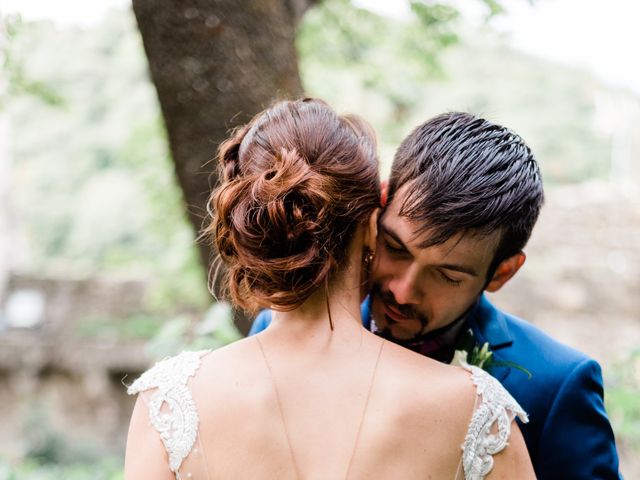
{"x": 490, "y": 425}
{"x": 172, "y": 411}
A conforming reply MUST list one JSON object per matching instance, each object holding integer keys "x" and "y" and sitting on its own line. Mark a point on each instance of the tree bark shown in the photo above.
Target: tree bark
{"x": 215, "y": 63}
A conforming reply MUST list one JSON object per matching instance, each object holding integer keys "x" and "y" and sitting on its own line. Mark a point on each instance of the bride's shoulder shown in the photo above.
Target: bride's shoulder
{"x": 169, "y": 372}
{"x": 166, "y": 401}
{"x": 489, "y": 430}
{"x": 492, "y": 394}
{"x": 427, "y": 388}
{"x": 419, "y": 371}
{"x": 187, "y": 367}
{"x": 170, "y": 395}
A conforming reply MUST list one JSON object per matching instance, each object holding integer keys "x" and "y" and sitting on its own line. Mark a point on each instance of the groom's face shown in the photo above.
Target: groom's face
{"x": 415, "y": 290}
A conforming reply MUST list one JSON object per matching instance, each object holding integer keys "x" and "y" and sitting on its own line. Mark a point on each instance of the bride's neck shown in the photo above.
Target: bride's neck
{"x": 311, "y": 320}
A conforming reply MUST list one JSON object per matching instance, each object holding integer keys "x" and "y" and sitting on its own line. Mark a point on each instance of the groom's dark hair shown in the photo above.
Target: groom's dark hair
{"x": 467, "y": 175}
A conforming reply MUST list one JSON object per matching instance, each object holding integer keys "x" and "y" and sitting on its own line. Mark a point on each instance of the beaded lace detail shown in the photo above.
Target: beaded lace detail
{"x": 490, "y": 425}
{"x": 177, "y": 424}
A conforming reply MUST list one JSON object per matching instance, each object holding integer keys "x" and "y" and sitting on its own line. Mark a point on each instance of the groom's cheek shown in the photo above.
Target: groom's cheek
{"x": 374, "y": 272}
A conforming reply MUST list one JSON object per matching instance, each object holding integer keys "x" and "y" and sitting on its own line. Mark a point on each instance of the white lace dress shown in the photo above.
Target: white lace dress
{"x": 173, "y": 414}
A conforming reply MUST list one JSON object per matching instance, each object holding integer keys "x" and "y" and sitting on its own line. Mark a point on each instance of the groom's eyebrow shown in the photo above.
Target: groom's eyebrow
{"x": 458, "y": 268}
{"x": 392, "y": 234}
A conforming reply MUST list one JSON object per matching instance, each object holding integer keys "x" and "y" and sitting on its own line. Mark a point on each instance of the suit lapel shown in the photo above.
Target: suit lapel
{"x": 365, "y": 313}
{"x": 490, "y": 326}
{"x": 500, "y": 372}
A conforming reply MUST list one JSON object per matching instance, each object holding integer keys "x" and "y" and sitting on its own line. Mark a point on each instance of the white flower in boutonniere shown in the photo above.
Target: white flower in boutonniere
{"x": 459, "y": 358}
{"x": 468, "y": 352}
{"x": 478, "y": 356}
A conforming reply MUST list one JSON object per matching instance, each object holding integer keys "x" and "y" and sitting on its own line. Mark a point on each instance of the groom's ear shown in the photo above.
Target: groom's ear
{"x": 506, "y": 269}
{"x": 384, "y": 192}
{"x": 371, "y": 232}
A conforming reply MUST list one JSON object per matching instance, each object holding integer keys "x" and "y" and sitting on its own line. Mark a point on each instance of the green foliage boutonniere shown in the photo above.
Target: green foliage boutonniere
{"x": 469, "y": 352}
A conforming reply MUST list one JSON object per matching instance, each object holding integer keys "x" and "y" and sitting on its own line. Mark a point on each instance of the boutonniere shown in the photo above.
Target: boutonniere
{"x": 469, "y": 352}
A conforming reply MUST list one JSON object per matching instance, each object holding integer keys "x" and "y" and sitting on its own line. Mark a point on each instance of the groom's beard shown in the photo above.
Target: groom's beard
{"x": 447, "y": 333}
{"x": 415, "y": 319}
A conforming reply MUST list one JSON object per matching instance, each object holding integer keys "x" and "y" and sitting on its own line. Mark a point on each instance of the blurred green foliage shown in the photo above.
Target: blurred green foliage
{"x": 166, "y": 334}
{"x": 49, "y": 455}
{"x": 399, "y": 72}
{"x": 139, "y": 326}
{"x": 104, "y": 469}
{"x": 350, "y": 56}
{"x": 212, "y": 330}
{"x": 622, "y": 399}
{"x": 15, "y": 81}
{"x": 93, "y": 182}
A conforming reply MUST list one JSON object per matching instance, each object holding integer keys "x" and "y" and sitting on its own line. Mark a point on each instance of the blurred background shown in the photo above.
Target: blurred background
{"x": 110, "y": 115}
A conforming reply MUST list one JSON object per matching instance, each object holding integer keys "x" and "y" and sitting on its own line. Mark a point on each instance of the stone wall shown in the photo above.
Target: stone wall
{"x": 581, "y": 281}
{"x": 54, "y": 381}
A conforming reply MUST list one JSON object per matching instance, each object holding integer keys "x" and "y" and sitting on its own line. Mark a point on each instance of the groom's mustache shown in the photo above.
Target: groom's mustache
{"x": 388, "y": 299}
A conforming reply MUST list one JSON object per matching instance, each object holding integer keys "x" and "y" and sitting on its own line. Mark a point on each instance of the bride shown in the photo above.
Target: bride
{"x": 315, "y": 396}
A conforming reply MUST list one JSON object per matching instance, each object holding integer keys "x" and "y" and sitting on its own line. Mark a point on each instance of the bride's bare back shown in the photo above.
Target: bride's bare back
{"x": 415, "y": 422}
{"x": 410, "y": 416}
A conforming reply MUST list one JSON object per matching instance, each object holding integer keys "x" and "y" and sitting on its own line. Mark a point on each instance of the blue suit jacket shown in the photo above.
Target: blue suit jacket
{"x": 569, "y": 435}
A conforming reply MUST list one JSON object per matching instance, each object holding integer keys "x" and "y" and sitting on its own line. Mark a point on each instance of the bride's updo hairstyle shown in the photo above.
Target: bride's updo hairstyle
{"x": 296, "y": 181}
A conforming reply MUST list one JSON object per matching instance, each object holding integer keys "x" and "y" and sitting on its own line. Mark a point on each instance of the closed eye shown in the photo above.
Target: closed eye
{"x": 449, "y": 280}
{"x": 392, "y": 246}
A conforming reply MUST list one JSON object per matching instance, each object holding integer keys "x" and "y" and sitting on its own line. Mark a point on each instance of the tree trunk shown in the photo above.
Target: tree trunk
{"x": 215, "y": 63}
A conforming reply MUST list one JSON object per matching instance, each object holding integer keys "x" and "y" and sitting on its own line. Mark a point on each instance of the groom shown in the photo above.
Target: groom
{"x": 463, "y": 197}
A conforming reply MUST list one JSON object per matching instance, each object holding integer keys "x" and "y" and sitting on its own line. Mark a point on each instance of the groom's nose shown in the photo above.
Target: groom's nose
{"x": 405, "y": 287}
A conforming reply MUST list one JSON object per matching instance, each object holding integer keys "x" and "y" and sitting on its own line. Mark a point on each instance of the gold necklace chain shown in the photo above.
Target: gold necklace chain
{"x": 284, "y": 423}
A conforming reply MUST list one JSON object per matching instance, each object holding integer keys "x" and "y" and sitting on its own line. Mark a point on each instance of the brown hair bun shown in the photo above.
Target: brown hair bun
{"x": 296, "y": 181}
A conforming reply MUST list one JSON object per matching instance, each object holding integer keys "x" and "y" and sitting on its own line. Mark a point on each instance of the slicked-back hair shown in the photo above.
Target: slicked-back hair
{"x": 467, "y": 175}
